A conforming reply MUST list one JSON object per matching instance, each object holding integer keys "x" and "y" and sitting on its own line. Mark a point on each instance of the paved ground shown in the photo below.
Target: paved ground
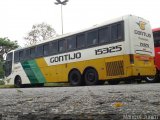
{"x": 125, "y": 101}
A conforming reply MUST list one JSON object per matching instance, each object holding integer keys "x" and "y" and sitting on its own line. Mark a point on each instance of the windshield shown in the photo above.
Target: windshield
{"x": 9, "y": 56}
{"x": 8, "y": 64}
{"x": 156, "y": 36}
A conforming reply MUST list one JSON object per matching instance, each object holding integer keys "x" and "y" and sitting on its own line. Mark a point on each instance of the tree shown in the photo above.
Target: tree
{"x": 6, "y": 45}
{"x": 39, "y": 33}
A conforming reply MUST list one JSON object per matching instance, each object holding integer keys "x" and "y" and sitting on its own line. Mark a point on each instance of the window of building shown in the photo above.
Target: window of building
{"x": 92, "y": 38}
{"x": 71, "y": 43}
{"x": 81, "y": 40}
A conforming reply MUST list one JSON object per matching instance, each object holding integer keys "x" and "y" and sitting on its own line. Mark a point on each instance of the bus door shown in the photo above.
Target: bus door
{"x": 8, "y": 64}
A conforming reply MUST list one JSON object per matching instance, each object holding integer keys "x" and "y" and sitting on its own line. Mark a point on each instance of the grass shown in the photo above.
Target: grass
{"x": 6, "y": 86}
{"x": 45, "y": 85}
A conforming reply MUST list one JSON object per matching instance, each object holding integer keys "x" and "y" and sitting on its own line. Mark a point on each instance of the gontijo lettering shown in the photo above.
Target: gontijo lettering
{"x": 65, "y": 57}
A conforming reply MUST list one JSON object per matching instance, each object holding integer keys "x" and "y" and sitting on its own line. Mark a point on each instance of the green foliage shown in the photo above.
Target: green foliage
{"x": 1, "y": 70}
{"x": 2, "y": 82}
{"x": 6, "y": 45}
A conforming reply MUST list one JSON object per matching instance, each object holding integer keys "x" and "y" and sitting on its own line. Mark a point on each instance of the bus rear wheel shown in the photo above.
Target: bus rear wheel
{"x": 91, "y": 77}
{"x": 75, "y": 78}
{"x": 153, "y": 79}
{"x": 18, "y": 82}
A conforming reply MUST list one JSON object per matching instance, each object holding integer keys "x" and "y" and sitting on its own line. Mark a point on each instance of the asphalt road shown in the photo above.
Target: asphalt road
{"x": 124, "y": 101}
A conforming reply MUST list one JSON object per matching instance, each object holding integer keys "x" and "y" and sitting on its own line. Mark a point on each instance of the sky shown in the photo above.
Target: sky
{"x": 18, "y": 16}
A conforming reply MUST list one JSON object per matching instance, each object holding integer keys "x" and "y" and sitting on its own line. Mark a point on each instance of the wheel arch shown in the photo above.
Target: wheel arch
{"x": 16, "y": 77}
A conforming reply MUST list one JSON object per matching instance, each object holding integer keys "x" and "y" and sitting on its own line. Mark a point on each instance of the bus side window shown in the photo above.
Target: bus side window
{"x": 39, "y": 52}
{"x": 21, "y": 55}
{"x": 16, "y": 56}
{"x": 117, "y": 32}
{"x": 92, "y": 38}
{"x": 62, "y": 45}
{"x": 53, "y": 47}
{"x": 80, "y": 40}
{"x": 46, "y": 49}
{"x": 104, "y": 35}
{"x": 71, "y": 43}
{"x": 32, "y": 52}
{"x": 27, "y": 54}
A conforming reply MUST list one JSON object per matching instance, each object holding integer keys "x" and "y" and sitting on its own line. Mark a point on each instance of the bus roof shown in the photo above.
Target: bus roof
{"x": 80, "y": 31}
{"x": 156, "y": 29}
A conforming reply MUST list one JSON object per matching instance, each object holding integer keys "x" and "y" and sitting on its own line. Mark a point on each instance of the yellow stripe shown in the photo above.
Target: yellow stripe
{"x": 59, "y": 73}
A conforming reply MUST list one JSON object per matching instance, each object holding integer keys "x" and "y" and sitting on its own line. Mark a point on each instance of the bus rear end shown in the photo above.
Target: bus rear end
{"x": 140, "y": 48}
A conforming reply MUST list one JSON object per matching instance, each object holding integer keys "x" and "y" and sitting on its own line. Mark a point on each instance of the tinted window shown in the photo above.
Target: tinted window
{"x": 81, "y": 41}
{"x": 156, "y": 36}
{"x": 104, "y": 35}
{"x": 54, "y": 47}
{"x": 16, "y": 56}
{"x": 9, "y": 56}
{"x": 27, "y": 53}
{"x": 46, "y": 49}
{"x": 62, "y": 46}
{"x": 71, "y": 43}
{"x": 32, "y": 52}
{"x": 92, "y": 38}
{"x": 117, "y": 32}
{"x": 21, "y": 55}
{"x": 39, "y": 51}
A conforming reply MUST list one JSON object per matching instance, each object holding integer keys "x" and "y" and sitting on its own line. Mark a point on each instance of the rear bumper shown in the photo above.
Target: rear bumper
{"x": 140, "y": 71}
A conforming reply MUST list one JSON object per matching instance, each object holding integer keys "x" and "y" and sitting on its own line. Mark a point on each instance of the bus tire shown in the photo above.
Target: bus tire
{"x": 113, "y": 82}
{"x": 91, "y": 76}
{"x": 153, "y": 79}
{"x": 18, "y": 82}
{"x": 75, "y": 78}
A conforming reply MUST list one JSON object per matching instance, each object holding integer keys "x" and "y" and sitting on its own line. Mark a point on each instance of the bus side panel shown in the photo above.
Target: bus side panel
{"x": 33, "y": 71}
{"x": 19, "y": 71}
{"x": 49, "y": 72}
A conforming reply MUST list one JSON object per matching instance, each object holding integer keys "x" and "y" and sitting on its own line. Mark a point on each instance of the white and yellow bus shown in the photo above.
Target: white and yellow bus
{"x": 118, "y": 49}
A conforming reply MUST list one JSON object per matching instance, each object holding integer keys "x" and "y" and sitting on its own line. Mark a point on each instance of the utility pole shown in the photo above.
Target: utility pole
{"x": 59, "y": 2}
